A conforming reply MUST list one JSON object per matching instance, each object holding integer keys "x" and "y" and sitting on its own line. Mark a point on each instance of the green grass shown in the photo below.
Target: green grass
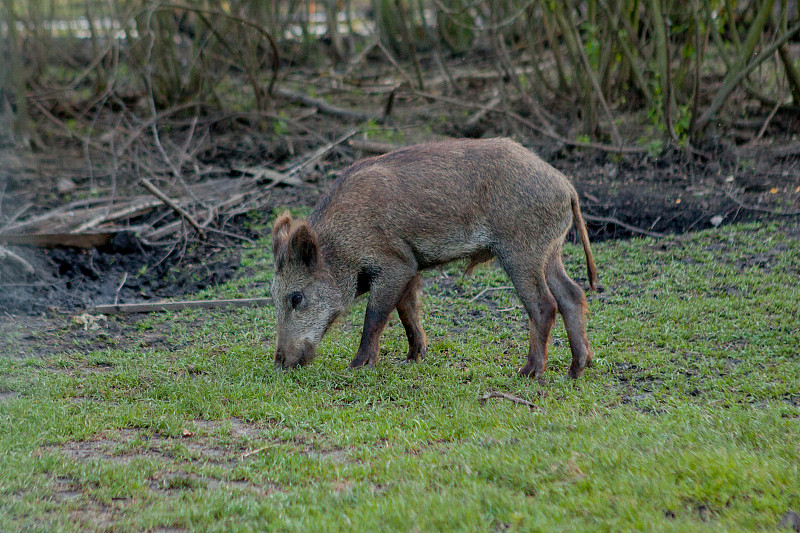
{"x": 690, "y": 419}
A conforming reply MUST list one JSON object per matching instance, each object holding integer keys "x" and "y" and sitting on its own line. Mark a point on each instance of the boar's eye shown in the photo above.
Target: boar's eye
{"x": 296, "y": 298}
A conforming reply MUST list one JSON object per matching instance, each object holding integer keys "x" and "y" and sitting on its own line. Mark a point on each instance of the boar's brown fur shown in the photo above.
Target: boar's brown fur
{"x": 387, "y": 218}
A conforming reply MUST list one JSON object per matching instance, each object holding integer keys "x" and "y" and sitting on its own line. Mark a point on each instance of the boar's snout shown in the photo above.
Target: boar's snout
{"x": 287, "y": 357}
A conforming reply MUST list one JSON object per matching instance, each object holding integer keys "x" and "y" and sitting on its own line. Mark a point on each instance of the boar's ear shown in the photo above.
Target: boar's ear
{"x": 303, "y": 246}
{"x": 280, "y": 232}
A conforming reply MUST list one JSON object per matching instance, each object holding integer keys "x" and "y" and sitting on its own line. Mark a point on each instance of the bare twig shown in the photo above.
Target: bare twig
{"x": 323, "y": 106}
{"x": 488, "y": 289}
{"x": 510, "y": 397}
{"x": 233, "y": 235}
{"x": 11, "y": 257}
{"x": 256, "y": 451}
{"x": 175, "y": 207}
{"x": 320, "y": 152}
{"x": 121, "y": 283}
{"x": 616, "y": 221}
{"x": 767, "y": 121}
{"x": 361, "y": 56}
{"x": 155, "y": 307}
{"x": 137, "y": 208}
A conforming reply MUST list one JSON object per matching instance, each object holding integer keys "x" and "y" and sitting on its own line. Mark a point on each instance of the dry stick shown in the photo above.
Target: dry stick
{"x": 175, "y": 207}
{"x": 488, "y": 289}
{"x": 322, "y": 106}
{"x": 232, "y": 235}
{"x": 6, "y": 254}
{"x": 155, "y": 307}
{"x": 394, "y": 62}
{"x": 531, "y": 125}
{"x": 478, "y": 115}
{"x": 137, "y": 132}
{"x": 131, "y": 210}
{"x": 361, "y": 56}
{"x": 634, "y": 229}
{"x": 52, "y": 240}
{"x": 766, "y": 122}
{"x": 516, "y": 399}
{"x": 320, "y": 152}
{"x": 253, "y": 452}
{"x": 121, "y": 283}
{"x": 387, "y": 109}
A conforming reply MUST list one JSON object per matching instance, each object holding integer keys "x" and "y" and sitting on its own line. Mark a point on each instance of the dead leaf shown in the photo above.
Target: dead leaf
{"x": 89, "y": 322}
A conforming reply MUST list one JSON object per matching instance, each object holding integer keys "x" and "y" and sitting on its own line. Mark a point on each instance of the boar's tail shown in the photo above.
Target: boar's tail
{"x": 580, "y": 226}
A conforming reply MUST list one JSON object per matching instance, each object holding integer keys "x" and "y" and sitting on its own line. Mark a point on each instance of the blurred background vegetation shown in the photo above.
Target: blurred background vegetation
{"x": 681, "y": 67}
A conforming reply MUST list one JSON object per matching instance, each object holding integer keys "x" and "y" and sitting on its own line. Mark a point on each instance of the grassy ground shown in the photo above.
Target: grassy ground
{"x": 689, "y": 420}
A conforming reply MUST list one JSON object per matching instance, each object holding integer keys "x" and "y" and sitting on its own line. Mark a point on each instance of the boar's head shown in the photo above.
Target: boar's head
{"x": 306, "y": 297}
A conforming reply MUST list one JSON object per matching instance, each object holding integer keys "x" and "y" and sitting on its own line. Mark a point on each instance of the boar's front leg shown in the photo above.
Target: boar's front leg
{"x": 386, "y": 290}
{"x": 408, "y": 309}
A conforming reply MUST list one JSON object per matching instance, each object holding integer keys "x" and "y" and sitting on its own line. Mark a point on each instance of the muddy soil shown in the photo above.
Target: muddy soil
{"x": 735, "y": 180}
{"x": 630, "y": 197}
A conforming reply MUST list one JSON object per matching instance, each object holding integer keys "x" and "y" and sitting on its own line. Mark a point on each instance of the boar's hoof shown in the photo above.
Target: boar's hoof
{"x": 575, "y": 372}
{"x": 531, "y": 371}
{"x": 415, "y": 355}
{"x": 357, "y": 363}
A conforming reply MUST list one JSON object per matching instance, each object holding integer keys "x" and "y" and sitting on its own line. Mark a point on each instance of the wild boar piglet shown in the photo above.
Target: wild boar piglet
{"x": 387, "y": 218}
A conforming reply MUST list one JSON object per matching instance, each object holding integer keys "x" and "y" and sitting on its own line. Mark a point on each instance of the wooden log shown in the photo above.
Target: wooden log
{"x": 54, "y": 240}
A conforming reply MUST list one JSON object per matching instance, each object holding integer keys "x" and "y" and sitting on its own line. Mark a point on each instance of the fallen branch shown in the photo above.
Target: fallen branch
{"x": 633, "y": 229}
{"x": 320, "y": 152}
{"x": 516, "y": 399}
{"x": 11, "y": 257}
{"x": 323, "y": 106}
{"x": 52, "y": 240}
{"x": 156, "y": 307}
{"x": 129, "y": 212}
{"x": 267, "y": 174}
{"x": 175, "y": 207}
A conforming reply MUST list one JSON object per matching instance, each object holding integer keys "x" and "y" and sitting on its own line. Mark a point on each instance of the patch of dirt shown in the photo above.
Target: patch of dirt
{"x": 621, "y": 197}
{"x": 7, "y": 395}
{"x": 223, "y": 442}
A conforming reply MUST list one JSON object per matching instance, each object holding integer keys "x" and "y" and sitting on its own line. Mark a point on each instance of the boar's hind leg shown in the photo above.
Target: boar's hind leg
{"x": 408, "y": 309}
{"x": 572, "y": 306}
{"x": 385, "y": 291}
{"x": 527, "y": 274}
